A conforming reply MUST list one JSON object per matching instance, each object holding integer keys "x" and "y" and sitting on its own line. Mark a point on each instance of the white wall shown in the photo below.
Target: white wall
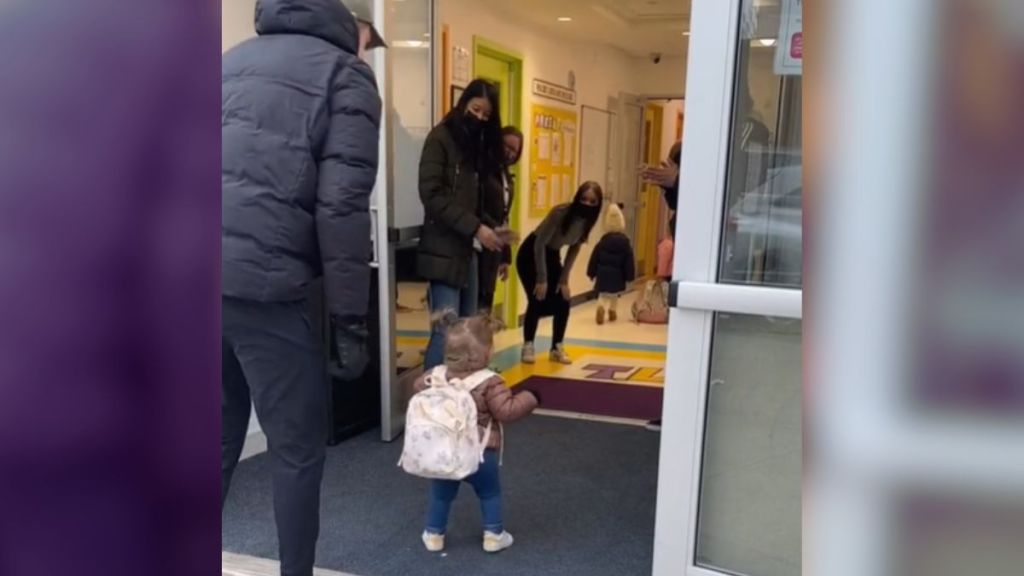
{"x": 667, "y": 78}
{"x": 237, "y": 22}
{"x": 671, "y": 110}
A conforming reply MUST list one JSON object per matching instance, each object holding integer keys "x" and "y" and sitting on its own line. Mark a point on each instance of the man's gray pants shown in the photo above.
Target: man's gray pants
{"x": 272, "y": 359}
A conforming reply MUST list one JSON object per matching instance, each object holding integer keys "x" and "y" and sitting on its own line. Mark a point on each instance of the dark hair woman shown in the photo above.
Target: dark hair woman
{"x": 492, "y": 265}
{"x": 545, "y": 277}
{"x": 460, "y": 187}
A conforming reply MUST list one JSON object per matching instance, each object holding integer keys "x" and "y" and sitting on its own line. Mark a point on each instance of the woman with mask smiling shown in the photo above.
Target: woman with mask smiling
{"x": 545, "y": 277}
{"x": 460, "y": 184}
{"x": 492, "y": 265}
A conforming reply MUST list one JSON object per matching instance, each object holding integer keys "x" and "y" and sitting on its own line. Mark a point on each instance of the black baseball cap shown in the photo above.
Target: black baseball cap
{"x": 363, "y": 13}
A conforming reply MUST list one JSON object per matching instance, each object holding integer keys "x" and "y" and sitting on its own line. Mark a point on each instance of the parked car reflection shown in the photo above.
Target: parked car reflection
{"x": 763, "y": 242}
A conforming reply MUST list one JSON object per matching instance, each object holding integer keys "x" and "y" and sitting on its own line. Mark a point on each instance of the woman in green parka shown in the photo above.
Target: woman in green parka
{"x": 460, "y": 185}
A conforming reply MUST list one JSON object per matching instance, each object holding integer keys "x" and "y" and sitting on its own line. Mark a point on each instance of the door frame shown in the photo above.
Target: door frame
{"x": 662, "y": 218}
{"x": 484, "y": 47}
{"x": 696, "y": 295}
{"x": 646, "y": 240}
{"x": 387, "y": 240}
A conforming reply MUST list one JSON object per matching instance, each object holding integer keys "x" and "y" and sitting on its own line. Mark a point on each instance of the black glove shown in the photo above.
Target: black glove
{"x": 350, "y": 336}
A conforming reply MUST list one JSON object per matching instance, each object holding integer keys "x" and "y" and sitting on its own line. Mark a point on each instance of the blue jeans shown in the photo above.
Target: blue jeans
{"x": 487, "y": 484}
{"x": 443, "y": 297}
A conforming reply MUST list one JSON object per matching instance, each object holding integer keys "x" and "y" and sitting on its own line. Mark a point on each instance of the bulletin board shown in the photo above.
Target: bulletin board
{"x": 552, "y": 158}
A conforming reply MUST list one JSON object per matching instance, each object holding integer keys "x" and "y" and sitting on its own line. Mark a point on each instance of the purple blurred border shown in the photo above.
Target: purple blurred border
{"x": 109, "y": 287}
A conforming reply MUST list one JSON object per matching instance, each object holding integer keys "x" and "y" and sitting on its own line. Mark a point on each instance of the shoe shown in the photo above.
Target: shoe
{"x": 654, "y": 425}
{"x": 613, "y": 315}
{"x": 529, "y": 355}
{"x": 497, "y": 542}
{"x": 433, "y": 542}
{"x": 600, "y": 315}
{"x": 558, "y": 355}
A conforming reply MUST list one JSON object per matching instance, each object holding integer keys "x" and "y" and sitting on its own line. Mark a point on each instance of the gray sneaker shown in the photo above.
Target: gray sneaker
{"x": 559, "y": 355}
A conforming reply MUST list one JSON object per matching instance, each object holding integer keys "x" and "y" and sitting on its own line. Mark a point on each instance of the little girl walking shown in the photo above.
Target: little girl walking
{"x": 468, "y": 350}
{"x": 612, "y": 266}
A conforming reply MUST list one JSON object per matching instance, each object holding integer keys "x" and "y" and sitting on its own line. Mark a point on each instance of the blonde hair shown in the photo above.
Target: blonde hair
{"x": 468, "y": 341}
{"x": 614, "y": 221}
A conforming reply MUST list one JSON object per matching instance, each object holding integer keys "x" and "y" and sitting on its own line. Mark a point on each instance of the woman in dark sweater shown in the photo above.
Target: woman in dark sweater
{"x": 460, "y": 186}
{"x": 545, "y": 277}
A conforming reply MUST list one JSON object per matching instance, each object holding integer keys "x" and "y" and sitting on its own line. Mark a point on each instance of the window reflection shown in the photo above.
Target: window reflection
{"x": 762, "y": 238}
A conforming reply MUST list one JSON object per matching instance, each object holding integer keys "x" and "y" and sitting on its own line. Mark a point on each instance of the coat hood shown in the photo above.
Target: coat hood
{"x": 328, "y": 20}
{"x": 614, "y": 221}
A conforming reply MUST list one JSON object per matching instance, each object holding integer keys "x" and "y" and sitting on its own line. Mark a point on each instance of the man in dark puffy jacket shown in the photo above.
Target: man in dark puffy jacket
{"x": 300, "y": 126}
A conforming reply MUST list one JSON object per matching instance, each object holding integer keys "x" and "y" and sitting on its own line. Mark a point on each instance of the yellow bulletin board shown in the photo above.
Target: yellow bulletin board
{"x": 554, "y": 134}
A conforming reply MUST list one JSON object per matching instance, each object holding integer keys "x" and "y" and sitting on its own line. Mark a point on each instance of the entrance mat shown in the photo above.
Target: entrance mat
{"x": 597, "y": 398}
{"x": 564, "y": 483}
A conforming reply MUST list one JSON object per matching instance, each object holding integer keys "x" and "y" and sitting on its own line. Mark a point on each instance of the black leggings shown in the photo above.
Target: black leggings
{"x": 554, "y": 304}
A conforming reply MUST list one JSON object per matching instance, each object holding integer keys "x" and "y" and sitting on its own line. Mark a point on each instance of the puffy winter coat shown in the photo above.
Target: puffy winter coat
{"x": 456, "y": 201}
{"x": 612, "y": 265}
{"x": 300, "y": 117}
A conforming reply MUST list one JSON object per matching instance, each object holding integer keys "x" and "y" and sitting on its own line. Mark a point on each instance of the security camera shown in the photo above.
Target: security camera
{"x": 656, "y": 57}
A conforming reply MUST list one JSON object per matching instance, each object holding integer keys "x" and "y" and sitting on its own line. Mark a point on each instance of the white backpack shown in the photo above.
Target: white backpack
{"x": 442, "y": 438}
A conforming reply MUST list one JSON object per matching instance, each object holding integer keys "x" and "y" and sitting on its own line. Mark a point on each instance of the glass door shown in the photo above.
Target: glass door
{"x": 729, "y": 498}
{"x": 405, "y": 75}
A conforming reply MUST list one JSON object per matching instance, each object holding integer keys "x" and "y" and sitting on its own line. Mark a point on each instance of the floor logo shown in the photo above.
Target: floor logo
{"x": 619, "y": 370}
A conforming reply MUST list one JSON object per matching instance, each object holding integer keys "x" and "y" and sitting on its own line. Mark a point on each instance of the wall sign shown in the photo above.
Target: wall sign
{"x": 461, "y": 65}
{"x": 554, "y": 91}
{"x": 789, "y": 52}
{"x": 552, "y": 158}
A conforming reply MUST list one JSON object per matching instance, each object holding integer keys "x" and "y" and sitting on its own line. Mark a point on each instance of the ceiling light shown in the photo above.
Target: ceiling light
{"x": 564, "y": 19}
{"x": 687, "y": 33}
{"x": 766, "y": 41}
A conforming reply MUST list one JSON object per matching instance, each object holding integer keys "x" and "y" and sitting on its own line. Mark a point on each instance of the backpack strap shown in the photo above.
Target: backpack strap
{"x": 437, "y": 377}
{"x": 471, "y": 382}
{"x": 486, "y": 439}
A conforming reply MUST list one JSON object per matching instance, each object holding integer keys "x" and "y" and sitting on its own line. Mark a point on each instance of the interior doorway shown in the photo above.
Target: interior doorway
{"x": 504, "y": 68}
{"x": 663, "y": 128}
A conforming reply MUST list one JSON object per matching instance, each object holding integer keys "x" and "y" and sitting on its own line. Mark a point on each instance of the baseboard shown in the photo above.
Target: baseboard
{"x": 576, "y": 301}
{"x": 255, "y": 444}
{"x": 583, "y": 298}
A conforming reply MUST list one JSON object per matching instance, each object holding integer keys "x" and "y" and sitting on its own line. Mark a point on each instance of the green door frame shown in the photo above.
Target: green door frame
{"x": 484, "y": 47}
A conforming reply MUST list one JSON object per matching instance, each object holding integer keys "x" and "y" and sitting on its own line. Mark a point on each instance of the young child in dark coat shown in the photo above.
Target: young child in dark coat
{"x": 612, "y": 266}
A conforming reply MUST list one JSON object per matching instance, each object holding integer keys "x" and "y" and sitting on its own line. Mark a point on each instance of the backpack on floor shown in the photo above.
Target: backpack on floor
{"x": 442, "y": 437}
{"x": 652, "y": 307}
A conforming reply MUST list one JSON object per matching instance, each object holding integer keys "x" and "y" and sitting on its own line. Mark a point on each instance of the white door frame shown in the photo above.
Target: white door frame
{"x": 697, "y": 295}
{"x": 392, "y": 387}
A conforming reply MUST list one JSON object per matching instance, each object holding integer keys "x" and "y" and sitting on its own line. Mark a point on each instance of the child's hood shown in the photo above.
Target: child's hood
{"x": 614, "y": 221}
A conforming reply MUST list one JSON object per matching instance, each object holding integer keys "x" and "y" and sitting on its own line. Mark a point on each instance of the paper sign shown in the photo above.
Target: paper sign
{"x": 544, "y": 146}
{"x": 789, "y": 51}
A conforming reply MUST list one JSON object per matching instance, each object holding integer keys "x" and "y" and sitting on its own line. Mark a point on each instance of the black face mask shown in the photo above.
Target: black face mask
{"x": 473, "y": 125}
{"x": 588, "y": 213}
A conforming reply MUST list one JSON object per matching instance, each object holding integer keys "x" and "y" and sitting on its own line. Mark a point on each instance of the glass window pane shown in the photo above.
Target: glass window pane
{"x": 762, "y": 233}
{"x": 749, "y": 517}
{"x": 412, "y": 105}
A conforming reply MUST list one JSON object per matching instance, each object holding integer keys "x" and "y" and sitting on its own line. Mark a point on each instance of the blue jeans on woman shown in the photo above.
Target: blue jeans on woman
{"x": 487, "y": 484}
{"x": 441, "y": 297}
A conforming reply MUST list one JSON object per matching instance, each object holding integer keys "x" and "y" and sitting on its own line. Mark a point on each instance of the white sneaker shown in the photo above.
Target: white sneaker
{"x": 529, "y": 355}
{"x": 433, "y": 542}
{"x": 497, "y": 542}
